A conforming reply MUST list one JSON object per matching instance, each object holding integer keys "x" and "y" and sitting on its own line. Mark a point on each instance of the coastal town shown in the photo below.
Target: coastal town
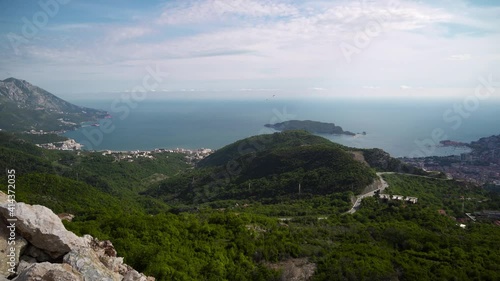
{"x": 69, "y": 144}
{"x": 191, "y": 155}
{"x": 480, "y": 166}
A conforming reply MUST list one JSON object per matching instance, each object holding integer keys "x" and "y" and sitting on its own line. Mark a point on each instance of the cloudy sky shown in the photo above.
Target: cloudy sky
{"x": 248, "y": 47}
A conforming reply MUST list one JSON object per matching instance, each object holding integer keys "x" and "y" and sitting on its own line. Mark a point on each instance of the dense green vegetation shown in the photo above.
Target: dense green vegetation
{"x": 116, "y": 177}
{"x": 286, "y": 165}
{"x": 39, "y": 139}
{"x": 121, "y": 179}
{"x": 203, "y": 246}
{"x": 383, "y": 162}
{"x": 255, "y": 144}
{"x": 388, "y": 241}
{"x": 179, "y": 229}
{"x": 446, "y": 194}
{"x": 64, "y": 195}
{"x": 382, "y": 241}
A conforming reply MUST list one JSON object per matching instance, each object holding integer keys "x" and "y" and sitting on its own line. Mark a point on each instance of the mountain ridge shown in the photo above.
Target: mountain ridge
{"x": 24, "y": 106}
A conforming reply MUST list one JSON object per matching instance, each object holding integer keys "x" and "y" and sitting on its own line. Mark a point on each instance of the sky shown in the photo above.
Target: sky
{"x": 246, "y": 48}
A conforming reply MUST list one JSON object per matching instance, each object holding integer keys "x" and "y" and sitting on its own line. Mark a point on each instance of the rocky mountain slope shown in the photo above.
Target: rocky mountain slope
{"x": 40, "y": 248}
{"x": 24, "y": 106}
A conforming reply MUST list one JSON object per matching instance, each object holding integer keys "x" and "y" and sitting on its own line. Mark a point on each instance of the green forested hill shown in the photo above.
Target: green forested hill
{"x": 272, "y": 171}
{"x": 255, "y": 144}
{"x": 382, "y": 161}
{"x": 121, "y": 179}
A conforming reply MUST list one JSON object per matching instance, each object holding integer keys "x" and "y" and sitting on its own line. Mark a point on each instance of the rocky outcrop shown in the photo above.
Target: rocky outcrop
{"x": 49, "y": 272}
{"x": 7, "y": 257}
{"x": 294, "y": 269}
{"x": 45, "y": 250}
{"x": 43, "y": 229}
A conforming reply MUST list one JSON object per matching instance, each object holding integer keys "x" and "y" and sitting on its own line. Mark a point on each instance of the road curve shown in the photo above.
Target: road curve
{"x": 360, "y": 197}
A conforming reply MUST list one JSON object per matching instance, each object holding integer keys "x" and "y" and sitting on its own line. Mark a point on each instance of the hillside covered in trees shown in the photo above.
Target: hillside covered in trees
{"x": 176, "y": 222}
{"x": 270, "y": 168}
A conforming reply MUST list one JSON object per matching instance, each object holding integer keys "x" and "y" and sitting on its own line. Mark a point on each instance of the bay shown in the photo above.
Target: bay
{"x": 401, "y": 127}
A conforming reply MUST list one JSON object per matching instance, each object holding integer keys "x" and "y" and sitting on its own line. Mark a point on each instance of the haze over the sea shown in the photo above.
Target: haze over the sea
{"x": 400, "y": 127}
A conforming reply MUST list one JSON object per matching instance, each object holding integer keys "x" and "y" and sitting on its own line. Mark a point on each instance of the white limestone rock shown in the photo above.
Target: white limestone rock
{"x": 9, "y": 259}
{"x": 42, "y": 228}
{"x": 50, "y": 272}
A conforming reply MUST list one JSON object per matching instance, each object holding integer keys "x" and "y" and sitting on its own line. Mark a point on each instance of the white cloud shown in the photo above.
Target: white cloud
{"x": 246, "y": 43}
{"x": 127, "y": 33}
{"x": 460, "y": 57}
{"x": 214, "y": 10}
{"x": 70, "y": 27}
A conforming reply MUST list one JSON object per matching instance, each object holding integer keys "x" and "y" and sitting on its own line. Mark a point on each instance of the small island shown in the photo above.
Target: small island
{"x": 313, "y": 127}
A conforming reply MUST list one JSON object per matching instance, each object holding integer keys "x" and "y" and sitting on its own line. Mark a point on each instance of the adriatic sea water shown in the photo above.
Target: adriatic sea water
{"x": 401, "y": 127}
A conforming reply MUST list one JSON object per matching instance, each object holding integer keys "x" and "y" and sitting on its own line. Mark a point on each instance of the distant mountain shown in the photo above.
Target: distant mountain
{"x": 314, "y": 127}
{"x": 24, "y": 106}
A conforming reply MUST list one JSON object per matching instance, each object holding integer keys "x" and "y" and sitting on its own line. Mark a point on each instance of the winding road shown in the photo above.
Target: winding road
{"x": 360, "y": 197}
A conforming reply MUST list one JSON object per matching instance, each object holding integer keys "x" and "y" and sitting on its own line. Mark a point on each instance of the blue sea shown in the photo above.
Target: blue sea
{"x": 401, "y": 127}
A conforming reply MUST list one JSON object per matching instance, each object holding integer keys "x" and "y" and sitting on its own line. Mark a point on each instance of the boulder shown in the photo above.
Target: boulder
{"x": 50, "y": 272}
{"x": 46, "y": 251}
{"x": 42, "y": 228}
{"x": 87, "y": 262}
{"x": 133, "y": 275}
{"x": 18, "y": 243}
{"x": 66, "y": 216}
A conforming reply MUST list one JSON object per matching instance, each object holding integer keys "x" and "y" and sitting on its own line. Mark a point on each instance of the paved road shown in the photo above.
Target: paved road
{"x": 360, "y": 197}
{"x": 356, "y": 205}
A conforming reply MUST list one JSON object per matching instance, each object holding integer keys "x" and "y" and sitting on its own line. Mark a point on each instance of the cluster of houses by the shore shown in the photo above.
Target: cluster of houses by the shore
{"x": 191, "y": 155}
{"x": 69, "y": 144}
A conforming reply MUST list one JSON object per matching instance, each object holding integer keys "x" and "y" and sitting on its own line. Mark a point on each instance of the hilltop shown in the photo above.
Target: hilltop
{"x": 25, "y": 107}
{"x": 269, "y": 167}
{"x": 281, "y": 166}
{"x": 254, "y": 144}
